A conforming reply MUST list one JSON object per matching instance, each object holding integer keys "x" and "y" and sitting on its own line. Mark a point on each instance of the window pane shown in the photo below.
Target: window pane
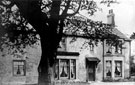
{"x": 64, "y": 68}
{"x": 56, "y": 69}
{"x": 73, "y": 69}
{"x": 21, "y": 67}
{"x": 108, "y": 68}
{"x": 18, "y": 68}
{"x": 91, "y": 47}
{"x": 118, "y": 68}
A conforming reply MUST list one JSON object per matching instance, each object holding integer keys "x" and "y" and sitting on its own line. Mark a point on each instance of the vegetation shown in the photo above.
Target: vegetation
{"x": 25, "y": 22}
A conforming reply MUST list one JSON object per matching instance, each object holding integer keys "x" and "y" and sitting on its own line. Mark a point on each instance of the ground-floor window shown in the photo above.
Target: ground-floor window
{"x": 65, "y": 69}
{"x": 132, "y": 65}
{"x": 19, "y": 68}
{"x": 113, "y": 68}
{"x": 108, "y": 68}
{"x": 118, "y": 69}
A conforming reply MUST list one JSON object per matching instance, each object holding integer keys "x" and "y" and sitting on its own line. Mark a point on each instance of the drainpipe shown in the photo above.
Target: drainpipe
{"x": 129, "y": 59}
{"x": 103, "y": 60}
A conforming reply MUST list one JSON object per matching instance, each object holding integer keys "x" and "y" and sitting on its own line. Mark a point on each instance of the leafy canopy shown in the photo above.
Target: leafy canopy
{"x": 17, "y": 32}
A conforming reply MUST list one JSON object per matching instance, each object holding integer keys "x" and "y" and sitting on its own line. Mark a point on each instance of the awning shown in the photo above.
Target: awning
{"x": 63, "y": 53}
{"x": 91, "y": 59}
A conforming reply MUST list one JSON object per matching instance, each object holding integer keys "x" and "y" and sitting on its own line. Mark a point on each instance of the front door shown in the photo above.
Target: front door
{"x": 91, "y": 71}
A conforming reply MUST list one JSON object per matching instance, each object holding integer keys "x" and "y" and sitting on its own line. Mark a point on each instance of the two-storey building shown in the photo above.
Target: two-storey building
{"x": 82, "y": 60}
{"x": 78, "y": 60}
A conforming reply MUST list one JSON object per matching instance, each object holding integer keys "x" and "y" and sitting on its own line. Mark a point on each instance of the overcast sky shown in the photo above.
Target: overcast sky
{"x": 124, "y": 15}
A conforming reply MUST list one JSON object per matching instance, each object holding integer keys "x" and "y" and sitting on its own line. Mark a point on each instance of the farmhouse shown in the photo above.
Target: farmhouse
{"x": 78, "y": 60}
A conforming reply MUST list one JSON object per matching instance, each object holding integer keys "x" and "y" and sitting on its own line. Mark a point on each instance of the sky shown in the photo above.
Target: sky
{"x": 124, "y": 15}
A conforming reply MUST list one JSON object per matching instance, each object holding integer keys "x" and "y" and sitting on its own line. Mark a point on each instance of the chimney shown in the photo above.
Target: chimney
{"x": 110, "y": 18}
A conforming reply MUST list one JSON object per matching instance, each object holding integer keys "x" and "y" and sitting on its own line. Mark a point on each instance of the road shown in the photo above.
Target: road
{"x": 113, "y": 83}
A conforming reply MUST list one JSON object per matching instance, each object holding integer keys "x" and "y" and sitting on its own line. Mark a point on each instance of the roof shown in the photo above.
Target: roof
{"x": 80, "y": 33}
{"x": 119, "y": 34}
{"x": 115, "y": 31}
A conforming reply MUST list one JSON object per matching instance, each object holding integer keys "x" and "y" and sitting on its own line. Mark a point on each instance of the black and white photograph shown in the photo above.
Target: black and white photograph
{"x": 67, "y": 42}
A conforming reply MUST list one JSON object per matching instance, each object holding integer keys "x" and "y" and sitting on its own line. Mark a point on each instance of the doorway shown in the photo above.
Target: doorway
{"x": 91, "y": 65}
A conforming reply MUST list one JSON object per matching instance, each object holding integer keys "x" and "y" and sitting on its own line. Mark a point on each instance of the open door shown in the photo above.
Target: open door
{"x": 91, "y": 64}
{"x": 91, "y": 71}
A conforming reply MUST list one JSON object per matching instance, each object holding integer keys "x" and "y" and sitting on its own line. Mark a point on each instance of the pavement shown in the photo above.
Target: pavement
{"x": 105, "y": 83}
{"x": 113, "y": 83}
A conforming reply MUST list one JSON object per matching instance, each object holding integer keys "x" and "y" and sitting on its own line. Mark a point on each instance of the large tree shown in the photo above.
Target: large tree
{"x": 47, "y": 18}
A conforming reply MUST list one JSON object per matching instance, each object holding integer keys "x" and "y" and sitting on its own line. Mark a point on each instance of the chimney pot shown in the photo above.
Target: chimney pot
{"x": 110, "y": 18}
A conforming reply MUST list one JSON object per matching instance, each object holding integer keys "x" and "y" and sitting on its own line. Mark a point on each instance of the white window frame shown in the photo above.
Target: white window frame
{"x": 22, "y": 64}
{"x": 110, "y": 68}
{"x": 113, "y": 59}
{"x": 68, "y": 58}
{"x": 120, "y": 68}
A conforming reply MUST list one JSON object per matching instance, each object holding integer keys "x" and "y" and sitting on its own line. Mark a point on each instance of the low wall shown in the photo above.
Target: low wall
{"x": 70, "y": 83}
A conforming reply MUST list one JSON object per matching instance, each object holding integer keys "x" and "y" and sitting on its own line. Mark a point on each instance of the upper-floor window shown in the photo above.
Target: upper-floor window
{"x": 118, "y": 47}
{"x": 91, "y": 45}
{"x": 65, "y": 69}
{"x": 115, "y": 47}
{"x": 62, "y": 44}
{"x": 19, "y": 68}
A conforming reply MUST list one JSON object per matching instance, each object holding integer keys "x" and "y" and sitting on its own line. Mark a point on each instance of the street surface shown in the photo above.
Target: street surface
{"x": 113, "y": 83}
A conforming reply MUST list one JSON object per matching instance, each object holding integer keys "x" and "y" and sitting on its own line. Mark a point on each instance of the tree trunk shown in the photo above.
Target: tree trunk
{"x": 45, "y": 68}
{"x": 45, "y": 73}
{"x": 31, "y": 11}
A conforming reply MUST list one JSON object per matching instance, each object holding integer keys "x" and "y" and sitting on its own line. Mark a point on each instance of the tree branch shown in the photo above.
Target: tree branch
{"x": 30, "y": 9}
{"x": 76, "y": 10}
{"x": 64, "y": 14}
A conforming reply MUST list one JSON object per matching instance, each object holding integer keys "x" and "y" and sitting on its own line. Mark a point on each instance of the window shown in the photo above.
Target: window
{"x": 118, "y": 69}
{"x": 118, "y": 47}
{"x": 19, "y": 68}
{"x": 73, "y": 69}
{"x": 65, "y": 69}
{"x": 108, "y": 68}
{"x": 91, "y": 47}
{"x": 132, "y": 64}
{"x": 109, "y": 49}
{"x": 62, "y": 44}
{"x": 115, "y": 47}
{"x": 56, "y": 69}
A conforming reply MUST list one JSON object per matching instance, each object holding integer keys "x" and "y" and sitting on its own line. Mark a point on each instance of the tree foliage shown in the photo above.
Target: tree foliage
{"x": 18, "y": 32}
{"x": 25, "y": 22}
{"x": 132, "y": 36}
